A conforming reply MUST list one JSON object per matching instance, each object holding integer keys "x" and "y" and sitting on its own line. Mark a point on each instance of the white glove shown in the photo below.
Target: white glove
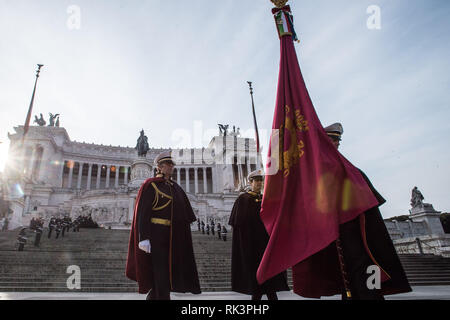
{"x": 145, "y": 246}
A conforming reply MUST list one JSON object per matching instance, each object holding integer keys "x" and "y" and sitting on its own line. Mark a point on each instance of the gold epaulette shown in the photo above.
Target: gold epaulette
{"x": 254, "y": 194}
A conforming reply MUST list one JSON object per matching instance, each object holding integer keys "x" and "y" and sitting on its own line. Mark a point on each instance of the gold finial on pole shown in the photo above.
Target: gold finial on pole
{"x": 279, "y": 3}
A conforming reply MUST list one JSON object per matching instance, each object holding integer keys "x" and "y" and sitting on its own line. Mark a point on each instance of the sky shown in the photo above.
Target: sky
{"x": 177, "y": 69}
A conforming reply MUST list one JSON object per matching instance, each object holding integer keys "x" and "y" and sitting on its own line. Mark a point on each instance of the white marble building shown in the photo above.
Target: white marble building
{"x": 421, "y": 233}
{"x": 53, "y": 175}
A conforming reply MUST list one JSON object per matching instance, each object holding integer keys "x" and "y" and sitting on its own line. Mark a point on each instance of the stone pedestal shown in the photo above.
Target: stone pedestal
{"x": 426, "y": 212}
{"x": 141, "y": 170}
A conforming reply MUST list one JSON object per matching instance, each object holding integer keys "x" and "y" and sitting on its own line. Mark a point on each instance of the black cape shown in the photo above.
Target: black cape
{"x": 382, "y": 248}
{"x": 322, "y": 275}
{"x": 250, "y": 239}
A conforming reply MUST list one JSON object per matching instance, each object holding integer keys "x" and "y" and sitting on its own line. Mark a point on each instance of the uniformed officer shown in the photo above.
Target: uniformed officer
{"x": 38, "y": 230}
{"x": 367, "y": 245}
{"x": 219, "y": 230}
{"x": 22, "y": 239}
{"x": 224, "y": 233}
{"x": 57, "y": 227}
{"x": 203, "y": 227}
{"x": 250, "y": 239}
{"x": 51, "y": 226}
{"x": 160, "y": 254}
{"x": 212, "y": 227}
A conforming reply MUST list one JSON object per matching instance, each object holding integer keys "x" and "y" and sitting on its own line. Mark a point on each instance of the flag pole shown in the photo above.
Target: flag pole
{"x": 258, "y": 164}
{"x": 30, "y": 109}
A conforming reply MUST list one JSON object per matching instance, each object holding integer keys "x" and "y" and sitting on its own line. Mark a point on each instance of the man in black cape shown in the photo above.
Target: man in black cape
{"x": 365, "y": 242}
{"x": 160, "y": 253}
{"x": 250, "y": 239}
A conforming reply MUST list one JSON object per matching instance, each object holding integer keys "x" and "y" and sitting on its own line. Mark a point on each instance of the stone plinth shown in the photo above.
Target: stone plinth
{"x": 426, "y": 213}
{"x": 141, "y": 170}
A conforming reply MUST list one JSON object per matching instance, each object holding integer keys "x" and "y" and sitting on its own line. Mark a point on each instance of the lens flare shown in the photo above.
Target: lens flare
{"x": 17, "y": 191}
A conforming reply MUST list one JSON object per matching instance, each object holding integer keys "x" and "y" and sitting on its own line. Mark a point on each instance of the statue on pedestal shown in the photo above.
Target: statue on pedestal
{"x": 223, "y": 129}
{"x": 416, "y": 198}
{"x": 235, "y": 132}
{"x": 40, "y": 121}
{"x": 52, "y": 119}
{"x": 142, "y": 145}
{"x": 417, "y": 204}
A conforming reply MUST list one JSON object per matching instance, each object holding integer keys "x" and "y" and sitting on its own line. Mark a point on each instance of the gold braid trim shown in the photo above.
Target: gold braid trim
{"x": 159, "y": 194}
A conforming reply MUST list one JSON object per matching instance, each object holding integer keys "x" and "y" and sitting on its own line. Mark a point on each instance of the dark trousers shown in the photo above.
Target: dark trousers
{"x": 49, "y": 232}
{"x": 356, "y": 260}
{"x": 160, "y": 242}
{"x": 37, "y": 239}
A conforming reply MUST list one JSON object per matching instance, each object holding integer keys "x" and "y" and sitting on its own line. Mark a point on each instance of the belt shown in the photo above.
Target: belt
{"x": 165, "y": 222}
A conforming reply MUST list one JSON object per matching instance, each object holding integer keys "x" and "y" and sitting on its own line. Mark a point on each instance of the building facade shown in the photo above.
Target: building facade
{"x": 51, "y": 175}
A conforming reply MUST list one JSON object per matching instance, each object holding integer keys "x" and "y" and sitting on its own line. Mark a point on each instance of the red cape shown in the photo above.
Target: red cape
{"x": 184, "y": 269}
{"x": 139, "y": 263}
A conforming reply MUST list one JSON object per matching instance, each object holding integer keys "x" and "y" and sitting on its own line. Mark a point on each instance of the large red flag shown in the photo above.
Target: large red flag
{"x": 310, "y": 188}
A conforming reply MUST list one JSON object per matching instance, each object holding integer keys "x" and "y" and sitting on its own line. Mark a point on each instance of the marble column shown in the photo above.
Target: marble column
{"x": 126, "y": 176}
{"x": 178, "y": 175}
{"x": 71, "y": 165}
{"x": 31, "y": 163}
{"x": 88, "y": 186}
{"x": 80, "y": 175}
{"x": 27, "y": 205}
{"x": 187, "y": 179}
{"x": 130, "y": 209}
{"x": 116, "y": 182}
{"x": 240, "y": 175}
{"x": 214, "y": 179}
{"x": 44, "y": 163}
{"x": 196, "y": 179}
{"x": 99, "y": 170}
{"x": 205, "y": 182}
{"x": 108, "y": 170}
{"x": 61, "y": 173}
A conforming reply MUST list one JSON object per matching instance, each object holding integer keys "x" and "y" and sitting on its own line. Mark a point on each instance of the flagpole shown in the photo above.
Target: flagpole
{"x": 30, "y": 109}
{"x": 258, "y": 164}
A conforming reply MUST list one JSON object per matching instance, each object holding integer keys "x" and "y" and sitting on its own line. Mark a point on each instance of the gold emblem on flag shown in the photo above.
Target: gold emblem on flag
{"x": 291, "y": 156}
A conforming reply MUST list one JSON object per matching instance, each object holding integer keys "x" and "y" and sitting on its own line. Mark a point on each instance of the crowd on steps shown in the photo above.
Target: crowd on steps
{"x": 211, "y": 227}
{"x": 59, "y": 225}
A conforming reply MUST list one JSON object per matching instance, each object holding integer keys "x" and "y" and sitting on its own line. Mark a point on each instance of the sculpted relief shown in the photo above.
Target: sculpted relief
{"x": 104, "y": 214}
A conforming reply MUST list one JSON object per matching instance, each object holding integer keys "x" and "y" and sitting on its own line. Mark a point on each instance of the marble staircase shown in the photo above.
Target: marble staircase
{"x": 101, "y": 256}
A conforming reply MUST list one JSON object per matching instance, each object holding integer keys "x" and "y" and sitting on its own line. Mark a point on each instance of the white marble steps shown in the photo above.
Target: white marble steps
{"x": 101, "y": 255}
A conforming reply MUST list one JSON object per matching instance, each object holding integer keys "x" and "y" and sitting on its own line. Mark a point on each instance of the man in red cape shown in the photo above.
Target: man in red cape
{"x": 160, "y": 253}
{"x": 310, "y": 188}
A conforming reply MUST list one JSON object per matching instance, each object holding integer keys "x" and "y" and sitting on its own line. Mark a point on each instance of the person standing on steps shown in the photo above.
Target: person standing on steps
{"x": 219, "y": 229}
{"x": 250, "y": 239}
{"x": 160, "y": 252}
{"x": 224, "y": 233}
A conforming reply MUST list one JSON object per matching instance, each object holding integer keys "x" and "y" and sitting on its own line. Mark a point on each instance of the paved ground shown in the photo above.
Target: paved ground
{"x": 418, "y": 293}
